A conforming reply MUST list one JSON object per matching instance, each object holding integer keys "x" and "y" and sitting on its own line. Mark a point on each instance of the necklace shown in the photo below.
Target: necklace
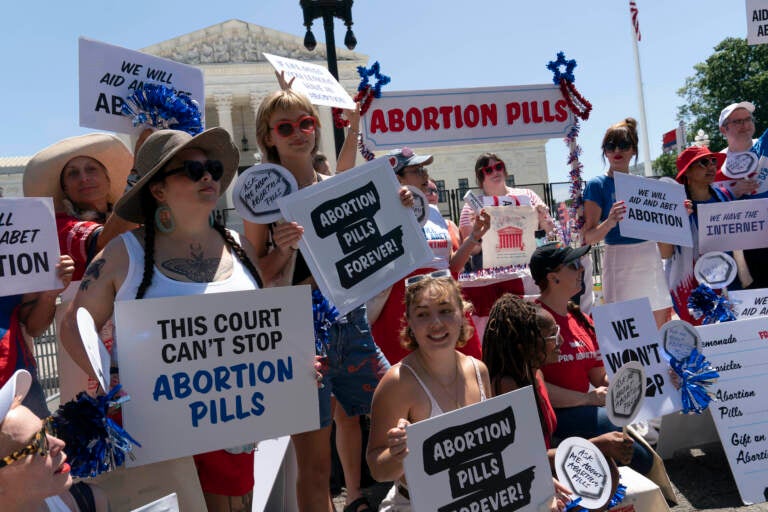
{"x": 446, "y": 387}
{"x": 310, "y": 182}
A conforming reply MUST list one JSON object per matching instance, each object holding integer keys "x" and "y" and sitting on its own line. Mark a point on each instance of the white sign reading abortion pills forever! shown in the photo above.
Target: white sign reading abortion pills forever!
{"x": 214, "y": 371}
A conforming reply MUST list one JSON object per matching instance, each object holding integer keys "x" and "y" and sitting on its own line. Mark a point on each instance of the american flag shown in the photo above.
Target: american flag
{"x": 635, "y": 24}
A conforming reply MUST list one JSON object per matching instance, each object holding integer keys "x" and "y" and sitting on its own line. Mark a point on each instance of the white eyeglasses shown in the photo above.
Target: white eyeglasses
{"x": 437, "y": 274}
{"x": 555, "y": 337}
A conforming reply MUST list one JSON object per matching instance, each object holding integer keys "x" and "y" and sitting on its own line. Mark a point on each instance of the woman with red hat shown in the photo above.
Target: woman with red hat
{"x": 696, "y": 168}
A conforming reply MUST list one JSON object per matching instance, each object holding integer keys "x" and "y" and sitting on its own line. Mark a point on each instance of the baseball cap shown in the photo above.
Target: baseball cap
{"x": 727, "y": 111}
{"x": 403, "y": 157}
{"x": 548, "y": 257}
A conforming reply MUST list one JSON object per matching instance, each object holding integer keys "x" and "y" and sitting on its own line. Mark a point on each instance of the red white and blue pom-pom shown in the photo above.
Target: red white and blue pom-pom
{"x": 95, "y": 443}
{"x": 696, "y": 375}
{"x": 324, "y": 314}
{"x": 705, "y": 304}
{"x": 163, "y": 107}
{"x": 618, "y": 497}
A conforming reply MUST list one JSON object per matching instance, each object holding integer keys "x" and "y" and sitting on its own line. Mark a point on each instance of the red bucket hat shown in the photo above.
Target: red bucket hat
{"x": 691, "y": 155}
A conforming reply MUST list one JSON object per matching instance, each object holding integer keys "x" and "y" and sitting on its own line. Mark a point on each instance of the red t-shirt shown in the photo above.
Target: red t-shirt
{"x": 579, "y": 353}
{"x": 73, "y": 240}
{"x": 547, "y": 411}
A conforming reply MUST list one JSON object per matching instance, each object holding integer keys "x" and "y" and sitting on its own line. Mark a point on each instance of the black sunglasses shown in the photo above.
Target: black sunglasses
{"x": 38, "y": 444}
{"x": 622, "y": 146}
{"x": 706, "y": 162}
{"x": 195, "y": 170}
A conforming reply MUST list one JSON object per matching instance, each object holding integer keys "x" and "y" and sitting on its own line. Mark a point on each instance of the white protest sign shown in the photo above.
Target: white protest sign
{"x": 626, "y": 331}
{"x": 582, "y": 467}
{"x": 109, "y": 74}
{"x": 739, "y": 352}
{"x": 740, "y": 164}
{"x": 168, "y": 503}
{"x": 679, "y": 338}
{"x": 29, "y": 245}
{"x": 257, "y": 189}
{"x": 749, "y": 303}
{"x": 214, "y": 371}
{"x": 757, "y": 21}
{"x": 358, "y": 237}
{"x": 486, "y": 456}
{"x": 626, "y": 393}
{"x": 466, "y": 116}
{"x": 315, "y": 82}
{"x": 98, "y": 355}
{"x": 655, "y": 210}
{"x": 511, "y": 239}
{"x": 733, "y": 225}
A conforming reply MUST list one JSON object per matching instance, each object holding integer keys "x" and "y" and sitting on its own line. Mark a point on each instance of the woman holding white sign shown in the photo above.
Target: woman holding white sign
{"x": 631, "y": 267}
{"x": 433, "y": 379}
{"x": 179, "y": 251}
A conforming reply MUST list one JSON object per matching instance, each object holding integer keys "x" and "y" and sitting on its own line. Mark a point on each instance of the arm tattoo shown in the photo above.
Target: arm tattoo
{"x": 92, "y": 273}
{"x": 196, "y": 268}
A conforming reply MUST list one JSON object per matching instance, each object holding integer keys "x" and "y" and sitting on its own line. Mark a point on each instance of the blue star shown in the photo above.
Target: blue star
{"x": 375, "y": 71}
{"x": 555, "y": 65}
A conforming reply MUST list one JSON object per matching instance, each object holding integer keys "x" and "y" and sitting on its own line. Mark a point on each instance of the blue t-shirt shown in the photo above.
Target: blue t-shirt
{"x": 602, "y": 190}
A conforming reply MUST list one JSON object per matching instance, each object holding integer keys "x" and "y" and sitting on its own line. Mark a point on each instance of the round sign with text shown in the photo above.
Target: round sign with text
{"x": 420, "y": 205}
{"x": 257, "y": 190}
{"x": 583, "y": 468}
{"x": 625, "y": 394}
{"x": 679, "y": 338}
{"x": 740, "y": 164}
{"x": 715, "y": 269}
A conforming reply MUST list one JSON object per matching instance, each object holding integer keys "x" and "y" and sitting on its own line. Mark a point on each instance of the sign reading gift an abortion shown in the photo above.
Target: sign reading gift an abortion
{"x": 655, "y": 210}
{"x": 739, "y": 352}
{"x": 487, "y": 456}
{"x": 109, "y": 74}
{"x": 358, "y": 237}
{"x": 511, "y": 239}
{"x": 733, "y": 225}
{"x": 315, "y": 82}
{"x": 214, "y": 371}
{"x": 29, "y": 245}
{"x": 466, "y": 116}
{"x": 626, "y": 331}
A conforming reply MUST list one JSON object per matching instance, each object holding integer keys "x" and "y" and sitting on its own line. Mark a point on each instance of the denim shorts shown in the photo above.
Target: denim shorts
{"x": 355, "y": 365}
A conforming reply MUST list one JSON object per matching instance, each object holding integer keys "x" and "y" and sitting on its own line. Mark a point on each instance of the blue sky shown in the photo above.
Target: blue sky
{"x": 420, "y": 44}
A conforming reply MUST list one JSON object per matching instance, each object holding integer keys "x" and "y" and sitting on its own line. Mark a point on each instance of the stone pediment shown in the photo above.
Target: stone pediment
{"x": 236, "y": 41}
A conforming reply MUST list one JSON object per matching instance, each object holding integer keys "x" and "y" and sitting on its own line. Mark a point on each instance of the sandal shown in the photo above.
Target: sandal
{"x": 361, "y": 504}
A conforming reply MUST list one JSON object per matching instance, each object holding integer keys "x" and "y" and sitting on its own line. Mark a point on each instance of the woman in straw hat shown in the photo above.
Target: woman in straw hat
{"x": 178, "y": 251}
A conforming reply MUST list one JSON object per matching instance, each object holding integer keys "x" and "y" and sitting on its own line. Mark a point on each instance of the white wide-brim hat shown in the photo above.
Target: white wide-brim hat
{"x": 17, "y": 385}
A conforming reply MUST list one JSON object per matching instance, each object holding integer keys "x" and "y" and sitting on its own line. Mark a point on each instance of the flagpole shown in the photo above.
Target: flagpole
{"x": 644, "y": 141}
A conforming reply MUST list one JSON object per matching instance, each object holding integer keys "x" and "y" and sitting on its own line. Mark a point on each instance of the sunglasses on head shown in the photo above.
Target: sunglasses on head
{"x": 195, "y": 170}
{"x": 706, "y": 162}
{"x": 621, "y": 146}
{"x": 437, "y": 274}
{"x": 306, "y": 124}
{"x": 489, "y": 169}
{"x": 39, "y": 445}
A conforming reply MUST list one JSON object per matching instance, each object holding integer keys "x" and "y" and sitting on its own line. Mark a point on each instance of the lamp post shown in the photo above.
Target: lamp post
{"x": 329, "y": 9}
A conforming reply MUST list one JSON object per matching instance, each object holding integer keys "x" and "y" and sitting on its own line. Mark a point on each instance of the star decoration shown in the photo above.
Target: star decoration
{"x": 375, "y": 71}
{"x": 555, "y": 65}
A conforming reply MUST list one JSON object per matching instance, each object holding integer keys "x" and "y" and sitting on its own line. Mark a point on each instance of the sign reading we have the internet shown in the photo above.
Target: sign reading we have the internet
{"x": 109, "y": 74}
{"x": 733, "y": 225}
{"x": 466, "y": 116}
{"x": 739, "y": 352}
{"x": 214, "y": 371}
{"x": 29, "y": 245}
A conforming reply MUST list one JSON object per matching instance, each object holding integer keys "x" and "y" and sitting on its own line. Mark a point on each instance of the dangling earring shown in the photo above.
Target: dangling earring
{"x": 164, "y": 219}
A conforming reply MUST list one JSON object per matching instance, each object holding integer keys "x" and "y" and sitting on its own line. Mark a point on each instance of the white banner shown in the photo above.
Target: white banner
{"x": 358, "y": 237}
{"x": 511, "y": 239}
{"x": 733, "y": 225}
{"x": 739, "y": 352}
{"x": 214, "y": 371}
{"x": 749, "y": 303}
{"x": 655, "y": 210}
{"x": 29, "y": 245}
{"x": 626, "y": 331}
{"x": 757, "y": 21}
{"x": 487, "y": 456}
{"x": 466, "y": 116}
{"x": 109, "y": 74}
{"x": 315, "y": 82}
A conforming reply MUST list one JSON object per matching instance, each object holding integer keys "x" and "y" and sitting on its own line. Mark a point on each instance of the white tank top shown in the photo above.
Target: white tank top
{"x": 56, "y": 504}
{"x": 435, "y": 408}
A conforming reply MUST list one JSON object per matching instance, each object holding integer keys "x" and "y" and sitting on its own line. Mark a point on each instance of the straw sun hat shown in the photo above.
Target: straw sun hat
{"x": 161, "y": 147}
{"x": 42, "y": 176}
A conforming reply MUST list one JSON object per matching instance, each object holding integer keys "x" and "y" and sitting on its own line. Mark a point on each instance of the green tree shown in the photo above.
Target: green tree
{"x": 665, "y": 165}
{"x": 734, "y": 72}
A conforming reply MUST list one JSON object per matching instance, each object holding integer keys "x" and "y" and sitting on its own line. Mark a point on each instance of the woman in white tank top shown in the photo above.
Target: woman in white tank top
{"x": 434, "y": 378}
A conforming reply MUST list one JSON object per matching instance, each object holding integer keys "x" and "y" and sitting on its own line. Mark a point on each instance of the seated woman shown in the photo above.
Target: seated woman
{"x": 434, "y": 378}
{"x": 580, "y": 412}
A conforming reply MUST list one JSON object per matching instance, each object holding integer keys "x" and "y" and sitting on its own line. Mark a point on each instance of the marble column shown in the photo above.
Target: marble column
{"x": 223, "y": 104}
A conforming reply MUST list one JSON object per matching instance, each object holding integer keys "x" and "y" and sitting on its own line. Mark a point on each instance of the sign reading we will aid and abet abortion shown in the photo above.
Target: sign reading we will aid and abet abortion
{"x": 109, "y": 74}
{"x": 214, "y": 371}
{"x": 757, "y": 21}
{"x": 466, "y": 116}
{"x": 29, "y": 245}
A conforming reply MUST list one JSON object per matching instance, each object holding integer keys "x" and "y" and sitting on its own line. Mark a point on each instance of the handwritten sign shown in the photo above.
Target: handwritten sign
{"x": 757, "y": 21}
{"x": 715, "y": 269}
{"x": 490, "y": 455}
{"x": 213, "y": 371}
{"x": 626, "y": 393}
{"x": 733, "y": 225}
{"x": 257, "y": 190}
{"x": 315, "y": 82}
{"x": 358, "y": 238}
{"x": 740, "y": 164}
{"x": 511, "y": 239}
{"x": 749, "y": 303}
{"x": 655, "y": 210}
{"x": 109, "y": 74}
{"x": 739, "y": 352}
{"x": 29, "y": 245}
{"x": 420, "y": 205}
{"x": 466, "y": 116}
{"x": 582, "y": 468}
{"x": 679, "y": 338}
{"x": 626, "y": 331}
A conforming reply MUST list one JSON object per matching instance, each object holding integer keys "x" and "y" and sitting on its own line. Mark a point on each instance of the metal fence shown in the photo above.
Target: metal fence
{"x": 47, "y": 367}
